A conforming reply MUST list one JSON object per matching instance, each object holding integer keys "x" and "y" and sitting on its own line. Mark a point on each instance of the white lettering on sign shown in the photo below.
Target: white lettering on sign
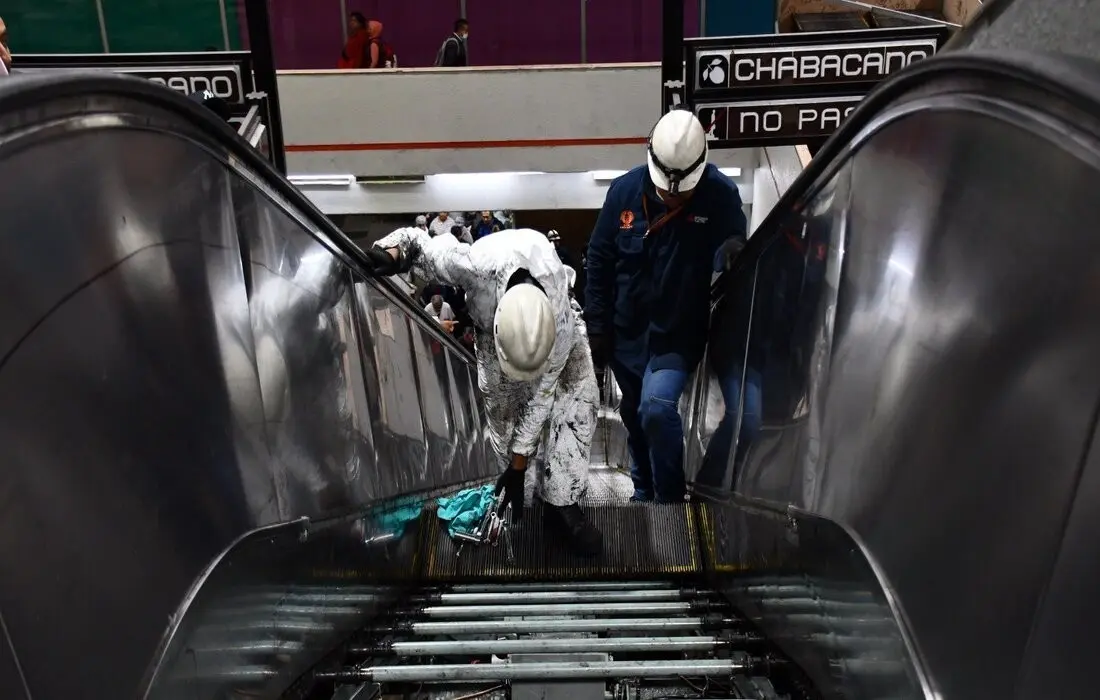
{"x": 822, "y": 119}
{"x": 218, "y": 85}
{"x": 806, "y": 64}
{"x": 829, "y": 66}
{"x": 225, "y": 82}
{"x": 767, "y": 121}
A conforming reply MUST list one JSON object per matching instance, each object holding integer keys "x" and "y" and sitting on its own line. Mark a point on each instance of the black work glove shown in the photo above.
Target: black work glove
{"x": 600, "y": 344}
{"x": 384, "y": 264}
{"x": 730, "y": 250}
{"x": 511, "y": 483}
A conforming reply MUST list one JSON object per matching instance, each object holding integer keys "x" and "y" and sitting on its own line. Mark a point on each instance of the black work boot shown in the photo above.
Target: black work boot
{"x": 570, "y": 523}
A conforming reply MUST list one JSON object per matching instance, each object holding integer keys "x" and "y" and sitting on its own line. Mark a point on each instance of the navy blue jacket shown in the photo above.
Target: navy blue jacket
{"x": 652, "y": 293}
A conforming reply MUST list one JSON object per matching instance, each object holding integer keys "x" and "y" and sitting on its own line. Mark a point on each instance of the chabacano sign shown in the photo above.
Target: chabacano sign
{"x": 792, "y": 88}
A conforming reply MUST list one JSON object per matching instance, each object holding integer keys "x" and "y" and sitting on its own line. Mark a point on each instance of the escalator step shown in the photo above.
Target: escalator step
{"x": 607, "y": 487}
{"x": 639, "y": 539}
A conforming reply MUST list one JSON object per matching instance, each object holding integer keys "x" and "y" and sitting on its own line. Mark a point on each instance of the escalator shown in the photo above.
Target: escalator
{"x": 225, "y": 441}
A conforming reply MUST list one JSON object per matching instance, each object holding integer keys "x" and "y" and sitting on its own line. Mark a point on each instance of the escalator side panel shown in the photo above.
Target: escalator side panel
{"x": 154, "y": 409}
{"x": 134, "y": 437}
{"x": 1070, "y": 608}
{"x": 940, "y": 402}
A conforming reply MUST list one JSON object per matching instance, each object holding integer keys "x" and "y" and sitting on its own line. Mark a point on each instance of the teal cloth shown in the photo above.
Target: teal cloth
{"x": 464, "y": 510}
{"x": 397, "y": 518}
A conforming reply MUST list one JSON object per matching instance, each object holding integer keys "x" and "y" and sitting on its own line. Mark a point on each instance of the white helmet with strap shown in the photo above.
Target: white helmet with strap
{"x": 677, "y": 152}
{"x": 524, "y": 332}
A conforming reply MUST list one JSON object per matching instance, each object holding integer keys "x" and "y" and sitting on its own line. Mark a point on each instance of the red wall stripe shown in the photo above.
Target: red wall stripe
{"x": 467, "y": 145}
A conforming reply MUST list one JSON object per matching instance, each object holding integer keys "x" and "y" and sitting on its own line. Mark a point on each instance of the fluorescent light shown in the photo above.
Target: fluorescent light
{"x": 605, "y": 175}
{"x": 383, "y": 181}
{"x": 322, "y": 180}
{"x": 500, "y": 174}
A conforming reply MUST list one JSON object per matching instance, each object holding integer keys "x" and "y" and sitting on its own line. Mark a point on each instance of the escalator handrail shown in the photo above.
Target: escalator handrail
{"x": 19, "y": 92}
{"x": 1061, "y": 75}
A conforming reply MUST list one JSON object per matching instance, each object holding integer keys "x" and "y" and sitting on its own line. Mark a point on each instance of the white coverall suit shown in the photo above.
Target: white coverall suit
{"x": 564, "y": 401}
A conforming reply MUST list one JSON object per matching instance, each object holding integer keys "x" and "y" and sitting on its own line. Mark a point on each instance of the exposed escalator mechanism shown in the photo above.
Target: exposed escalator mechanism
{"x": 613, "y": 640}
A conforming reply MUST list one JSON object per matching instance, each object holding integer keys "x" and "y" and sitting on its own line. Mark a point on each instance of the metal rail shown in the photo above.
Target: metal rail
{"x": 476, "y": 611}
{"x": 563, "y": 586}
{"x": 544, "y": 671}
{"x": 547, "y": 626}
{"x": 544, "y": 646}
{"x": 562, "y": 596}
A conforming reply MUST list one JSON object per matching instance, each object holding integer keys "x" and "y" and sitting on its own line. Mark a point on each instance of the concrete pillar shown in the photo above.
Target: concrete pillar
{"x": 960, "y": 11}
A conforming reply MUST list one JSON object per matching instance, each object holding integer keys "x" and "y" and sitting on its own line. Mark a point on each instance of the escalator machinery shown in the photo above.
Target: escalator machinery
{"x": 574, "y": 640}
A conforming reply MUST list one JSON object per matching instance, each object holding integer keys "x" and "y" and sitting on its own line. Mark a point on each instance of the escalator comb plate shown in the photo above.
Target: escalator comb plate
{"x": 639, "y": 539}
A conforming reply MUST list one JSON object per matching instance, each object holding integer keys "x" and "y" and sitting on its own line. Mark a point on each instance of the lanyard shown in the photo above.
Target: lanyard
{"x": 657, "y": 225}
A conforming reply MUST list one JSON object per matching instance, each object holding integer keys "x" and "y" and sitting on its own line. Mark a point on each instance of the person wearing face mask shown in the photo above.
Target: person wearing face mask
{"x": 664, "y": 228}
{"x": 452, "y": 54}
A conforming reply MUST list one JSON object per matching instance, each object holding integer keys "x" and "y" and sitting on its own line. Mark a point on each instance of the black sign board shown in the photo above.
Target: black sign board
{"x": 799, "y": 66}
{"x": 226, "y": 74}
{"x": 791, "y": 88}
{"x": 770, "y": 122}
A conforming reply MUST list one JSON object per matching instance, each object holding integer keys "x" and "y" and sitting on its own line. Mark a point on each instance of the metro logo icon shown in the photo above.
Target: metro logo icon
{"x": 714, "y": 70}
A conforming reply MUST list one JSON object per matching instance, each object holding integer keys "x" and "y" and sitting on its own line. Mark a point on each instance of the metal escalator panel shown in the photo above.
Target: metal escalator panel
{"x": 497, "y": 651}
{"x": 188, "y": 355}
{"x": 916, "y": 314}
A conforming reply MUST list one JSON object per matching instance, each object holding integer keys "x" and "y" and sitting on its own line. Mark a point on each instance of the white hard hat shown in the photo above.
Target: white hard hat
{"x": 677, "y": 152}
{"x": 524, "y": 331}
{"x": 552, "y": 235}
{"x": 421, "y": 220}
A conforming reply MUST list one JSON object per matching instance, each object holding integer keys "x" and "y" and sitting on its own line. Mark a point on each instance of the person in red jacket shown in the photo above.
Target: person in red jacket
{"x": 355, "y": 50}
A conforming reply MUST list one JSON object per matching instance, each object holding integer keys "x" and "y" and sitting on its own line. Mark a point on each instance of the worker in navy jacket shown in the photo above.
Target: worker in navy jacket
{"x": 665, "y": 227}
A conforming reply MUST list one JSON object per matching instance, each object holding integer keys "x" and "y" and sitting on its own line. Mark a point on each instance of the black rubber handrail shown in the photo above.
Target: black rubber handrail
{"x": 1062, "y": 77}
{"x": 22, "y": 92}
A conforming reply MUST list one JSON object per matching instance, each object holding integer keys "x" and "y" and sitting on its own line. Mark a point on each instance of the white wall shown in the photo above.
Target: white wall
{"x": 424, "y": 121}
{"x": 473, "y": 192}
{"x": 779, "y": 167}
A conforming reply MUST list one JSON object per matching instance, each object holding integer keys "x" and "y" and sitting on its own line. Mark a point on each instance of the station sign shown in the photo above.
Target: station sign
{"x": 225, "y": 74}
{"x": 801, "y": 66}
{"x": 770, "y": 122}
{"x": 793, "y": 88}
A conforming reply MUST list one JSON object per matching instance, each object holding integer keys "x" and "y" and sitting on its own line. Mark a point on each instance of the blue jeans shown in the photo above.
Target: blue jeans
{"x": 655, "y": 432}
{"x": 716, "y": 461}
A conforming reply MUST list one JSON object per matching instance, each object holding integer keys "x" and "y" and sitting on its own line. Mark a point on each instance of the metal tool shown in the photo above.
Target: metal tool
{"x": 492, "y": 528}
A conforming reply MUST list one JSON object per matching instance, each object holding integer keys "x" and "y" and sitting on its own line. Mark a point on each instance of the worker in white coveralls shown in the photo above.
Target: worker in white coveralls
{"x": 533, "y": 362}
